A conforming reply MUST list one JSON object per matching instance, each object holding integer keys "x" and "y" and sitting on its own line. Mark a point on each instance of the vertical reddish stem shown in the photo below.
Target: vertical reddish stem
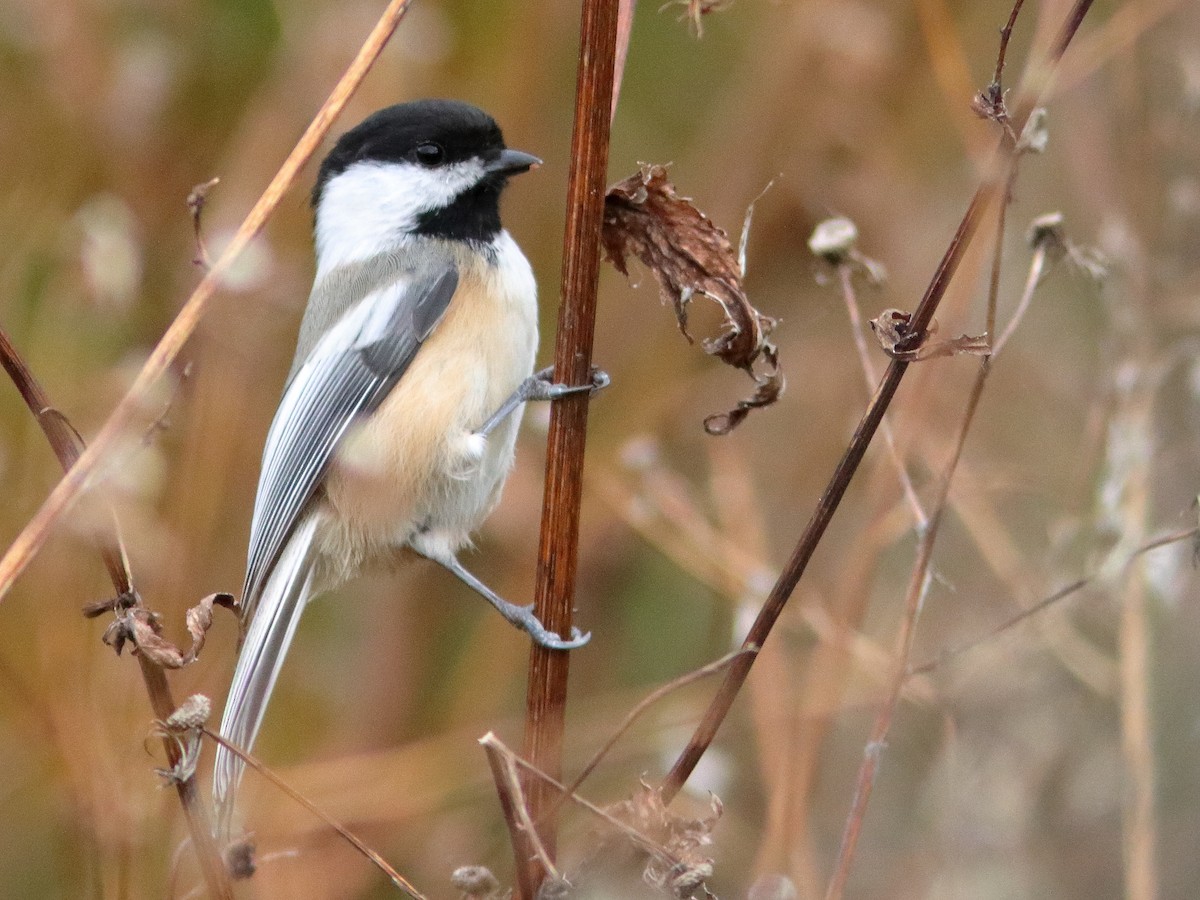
{"x": 559, "y": 542}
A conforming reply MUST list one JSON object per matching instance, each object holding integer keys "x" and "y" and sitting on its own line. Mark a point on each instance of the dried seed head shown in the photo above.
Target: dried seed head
{"x": 475, "y": 881}
{"x": 191, "y": 713}
{"x": 834, "y": 239}
{"x": 1046, "y": 231}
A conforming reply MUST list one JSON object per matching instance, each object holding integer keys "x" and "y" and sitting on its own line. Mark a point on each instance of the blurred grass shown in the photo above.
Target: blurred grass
{"x": 1004, "y": 781}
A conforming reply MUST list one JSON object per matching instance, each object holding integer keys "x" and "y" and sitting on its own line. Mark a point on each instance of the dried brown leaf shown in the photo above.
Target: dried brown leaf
{"x": 143, "y": 628}
{"x": 689, "y": 255}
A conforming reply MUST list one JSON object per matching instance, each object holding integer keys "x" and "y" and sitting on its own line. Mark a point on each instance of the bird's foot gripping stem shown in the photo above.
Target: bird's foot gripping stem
{"x": 520, "y": 616}
{"x": 538, "y": 386}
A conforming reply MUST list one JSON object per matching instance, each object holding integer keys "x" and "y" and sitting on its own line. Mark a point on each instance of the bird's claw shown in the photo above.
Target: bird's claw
{"x": 552, "y": 641}
{"x": 524, "y": 618}
{"x": 542, "y": 388}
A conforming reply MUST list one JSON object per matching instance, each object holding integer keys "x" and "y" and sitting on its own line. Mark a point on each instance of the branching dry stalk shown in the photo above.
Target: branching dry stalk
{"x": 921, "y": 574}
{"x": 989, "y": 191}
{"x": 521, "y": 829}
{"x": 914, "y": 602}
{"x": 68, "y": 447}
{"x": 558, "y": 548}
{"x": 1069, "y": 590}
{"x": 496, "y": 749}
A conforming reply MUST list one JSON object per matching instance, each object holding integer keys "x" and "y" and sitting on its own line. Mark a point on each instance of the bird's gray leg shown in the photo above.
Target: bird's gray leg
{"x": 538, "y": 386}
{"x": 521, "y": 616}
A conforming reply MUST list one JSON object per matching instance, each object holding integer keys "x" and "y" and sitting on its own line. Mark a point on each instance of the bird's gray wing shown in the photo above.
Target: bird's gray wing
{"x": 347, "y": 374}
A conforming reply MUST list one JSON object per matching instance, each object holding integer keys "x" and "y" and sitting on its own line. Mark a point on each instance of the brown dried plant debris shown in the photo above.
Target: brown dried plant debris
{"x": 645, "y": 218}
{"x": 184, "y": 727}
{"x": 893, "y": 330}
{"x": 667, "y": 853}
{"x": 143, "y": 628}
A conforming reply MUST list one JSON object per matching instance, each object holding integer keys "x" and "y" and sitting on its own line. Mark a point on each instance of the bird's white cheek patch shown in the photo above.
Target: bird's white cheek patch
{"x": 371, "y": 206}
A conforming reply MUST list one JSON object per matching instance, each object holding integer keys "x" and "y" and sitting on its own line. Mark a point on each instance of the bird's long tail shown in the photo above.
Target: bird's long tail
{"x": 275, "y": 616}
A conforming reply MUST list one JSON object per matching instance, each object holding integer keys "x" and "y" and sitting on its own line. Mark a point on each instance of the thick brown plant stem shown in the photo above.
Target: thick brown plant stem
{"x": 559, "y": 541}
{"x": 67, "y": 447}
{"x": 994, "y": 183}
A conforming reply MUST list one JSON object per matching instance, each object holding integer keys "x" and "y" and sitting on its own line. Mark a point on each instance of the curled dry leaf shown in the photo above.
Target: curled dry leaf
{"x": 645, "y": 218}
{"x": 893, "y": 330}
{"x": 143, "y": 629}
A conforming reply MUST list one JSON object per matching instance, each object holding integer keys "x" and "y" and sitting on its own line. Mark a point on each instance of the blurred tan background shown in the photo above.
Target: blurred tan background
{"x": 1007, "y": 770}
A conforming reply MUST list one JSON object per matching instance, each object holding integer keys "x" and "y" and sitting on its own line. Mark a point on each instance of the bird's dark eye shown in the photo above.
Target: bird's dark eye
{"x": 430, "y": 154}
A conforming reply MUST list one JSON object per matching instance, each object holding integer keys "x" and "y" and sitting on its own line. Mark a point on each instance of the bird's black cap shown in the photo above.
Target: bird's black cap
{"x": 434, "y": 133}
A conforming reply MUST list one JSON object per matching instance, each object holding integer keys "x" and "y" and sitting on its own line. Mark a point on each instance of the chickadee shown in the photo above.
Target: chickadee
{"x": 415, "y": 357}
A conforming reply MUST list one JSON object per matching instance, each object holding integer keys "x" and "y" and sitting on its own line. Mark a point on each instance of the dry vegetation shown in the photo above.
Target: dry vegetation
{"x": 1036, "y": 733}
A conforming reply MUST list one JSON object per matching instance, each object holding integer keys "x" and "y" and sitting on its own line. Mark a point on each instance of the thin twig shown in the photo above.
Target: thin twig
{"x": 1005, "y": 36}
{"x": 921, "y": 575}
{"x": 624, "y": 35}
{"x": 858, "y": 329}
{"x": 382, "y": 864}
{"x": 1045, "y": 603}
{"x": 68, "y": 490}
{"x": 1037, "y": 268}
{"x": 826, "y": 506}
{"x": 648, "y": 701}
{"x": 558, "y": 547}
{"x": 521, "y": 829}
{"x": 918, "y": 587}
{"x": 491, "y": 742}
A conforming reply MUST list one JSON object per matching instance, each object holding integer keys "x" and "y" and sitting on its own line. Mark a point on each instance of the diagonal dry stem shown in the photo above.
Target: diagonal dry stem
{"x": 357, "y": 843}
{"x": 68, "y": 490}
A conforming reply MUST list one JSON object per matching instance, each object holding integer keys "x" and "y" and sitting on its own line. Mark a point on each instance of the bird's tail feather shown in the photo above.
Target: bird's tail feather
{"x": 276, "y": 615}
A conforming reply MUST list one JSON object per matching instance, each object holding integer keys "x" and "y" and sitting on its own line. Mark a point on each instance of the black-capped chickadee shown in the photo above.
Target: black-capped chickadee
{"x": 397, "y": 425}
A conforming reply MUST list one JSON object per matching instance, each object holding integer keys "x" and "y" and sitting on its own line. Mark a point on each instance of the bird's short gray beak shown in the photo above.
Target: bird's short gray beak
{"x": 512, "y": 162}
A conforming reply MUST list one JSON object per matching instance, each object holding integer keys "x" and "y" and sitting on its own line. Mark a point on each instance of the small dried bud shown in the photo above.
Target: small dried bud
{"x": 893, "y": 330}
{"x": 239, "y": 858}
{"x": 685, "y": 880}
{"x": 1047, "y": 231}
{"x": 833, "y": 240}
{"x": 474, "y": 881}
{"x": 191, "y": 713}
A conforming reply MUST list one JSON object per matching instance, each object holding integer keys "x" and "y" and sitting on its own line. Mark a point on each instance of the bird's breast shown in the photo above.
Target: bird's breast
{"x": 417, "y": 462}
